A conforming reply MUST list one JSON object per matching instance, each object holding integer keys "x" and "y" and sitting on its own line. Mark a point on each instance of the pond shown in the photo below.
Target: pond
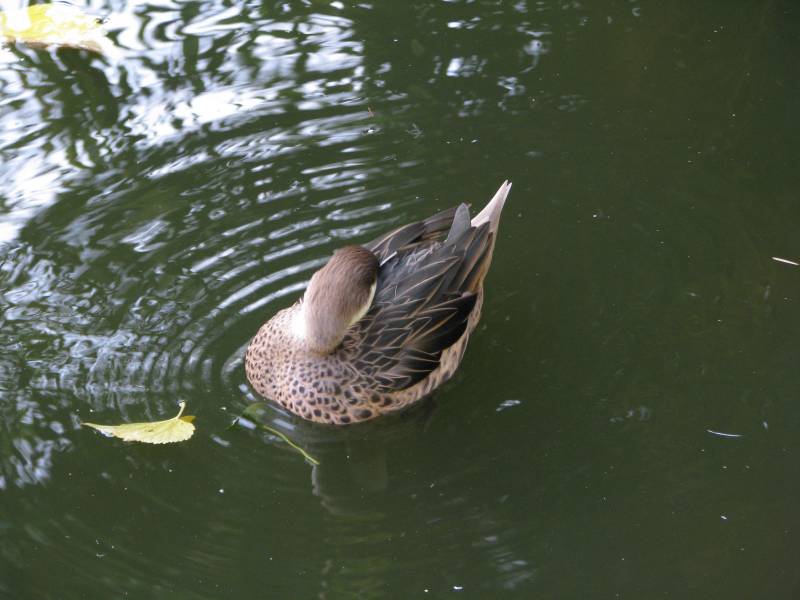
{"x": 626, "y": 421}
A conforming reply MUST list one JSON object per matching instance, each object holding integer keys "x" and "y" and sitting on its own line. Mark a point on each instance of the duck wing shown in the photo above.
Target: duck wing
{"x": 425, "y": 294}
{"x": 412, "y": 235}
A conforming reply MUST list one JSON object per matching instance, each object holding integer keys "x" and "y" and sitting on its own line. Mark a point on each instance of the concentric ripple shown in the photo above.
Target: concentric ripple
{"x": 193, "y": 214}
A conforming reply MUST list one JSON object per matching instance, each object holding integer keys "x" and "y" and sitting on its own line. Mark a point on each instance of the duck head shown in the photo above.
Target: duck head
{"x": 338, "y": 296}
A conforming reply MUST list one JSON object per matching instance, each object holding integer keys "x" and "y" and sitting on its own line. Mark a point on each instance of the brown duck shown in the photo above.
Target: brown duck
{"x": 381, "y": 325}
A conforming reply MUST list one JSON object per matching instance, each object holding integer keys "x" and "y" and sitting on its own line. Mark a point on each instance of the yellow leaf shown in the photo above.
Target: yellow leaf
{"x": 176, "y": 429}
{"x": 53, "y": 25}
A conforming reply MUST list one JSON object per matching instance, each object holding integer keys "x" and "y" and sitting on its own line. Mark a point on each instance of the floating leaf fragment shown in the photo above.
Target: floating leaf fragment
{"x": 723, "y": 434}
{"x": 59, "y": 25}
{"x": 176, "y": 429}
{"x": 785, "y": 261}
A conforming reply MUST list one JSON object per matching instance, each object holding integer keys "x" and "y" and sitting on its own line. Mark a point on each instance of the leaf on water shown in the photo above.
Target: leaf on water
{"x": 253, "y": 411}
{"x": 54, "y": 25}
{"x": 176, "y": 429}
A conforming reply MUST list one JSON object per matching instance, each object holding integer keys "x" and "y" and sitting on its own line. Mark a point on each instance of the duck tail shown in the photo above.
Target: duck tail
{"x": 484, "y": 226}
{"x": 491, "y": 212}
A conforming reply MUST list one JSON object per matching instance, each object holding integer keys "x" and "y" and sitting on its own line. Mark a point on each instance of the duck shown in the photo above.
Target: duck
{"x": 380, "y": 325}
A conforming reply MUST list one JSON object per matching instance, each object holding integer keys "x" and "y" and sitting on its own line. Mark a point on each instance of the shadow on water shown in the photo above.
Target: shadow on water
{"x": 368, "y": 474}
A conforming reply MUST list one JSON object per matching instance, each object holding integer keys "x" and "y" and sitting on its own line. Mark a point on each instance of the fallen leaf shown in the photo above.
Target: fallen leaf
{"x": 54, "y": 25}
{"x": 176, "y": 429}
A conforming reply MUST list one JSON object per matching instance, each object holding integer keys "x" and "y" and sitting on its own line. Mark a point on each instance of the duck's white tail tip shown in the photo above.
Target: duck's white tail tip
{"x": 491, "y": 212}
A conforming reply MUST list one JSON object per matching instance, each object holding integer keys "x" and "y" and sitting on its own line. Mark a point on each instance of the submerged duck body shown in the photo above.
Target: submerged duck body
{"x": 382, "y": 325}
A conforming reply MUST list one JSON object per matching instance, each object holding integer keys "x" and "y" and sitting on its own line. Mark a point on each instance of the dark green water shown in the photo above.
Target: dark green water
{"x": 626, "y": 423}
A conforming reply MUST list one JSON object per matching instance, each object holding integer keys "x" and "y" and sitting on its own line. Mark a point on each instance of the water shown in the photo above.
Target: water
{"x": 625, "y": 422}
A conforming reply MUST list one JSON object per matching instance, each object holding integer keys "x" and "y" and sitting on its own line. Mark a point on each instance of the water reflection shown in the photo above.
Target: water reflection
{"x": 363, "y": 482}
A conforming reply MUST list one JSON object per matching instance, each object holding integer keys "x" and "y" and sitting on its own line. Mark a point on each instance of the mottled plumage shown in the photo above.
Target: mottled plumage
{"x": 382, "y": 325}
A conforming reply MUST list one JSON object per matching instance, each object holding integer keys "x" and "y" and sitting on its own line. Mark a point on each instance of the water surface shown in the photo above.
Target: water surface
{"x": 625, "y": 422}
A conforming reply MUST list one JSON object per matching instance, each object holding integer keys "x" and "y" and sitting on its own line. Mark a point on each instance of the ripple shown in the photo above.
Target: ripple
{"x": 149, "y": 288}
